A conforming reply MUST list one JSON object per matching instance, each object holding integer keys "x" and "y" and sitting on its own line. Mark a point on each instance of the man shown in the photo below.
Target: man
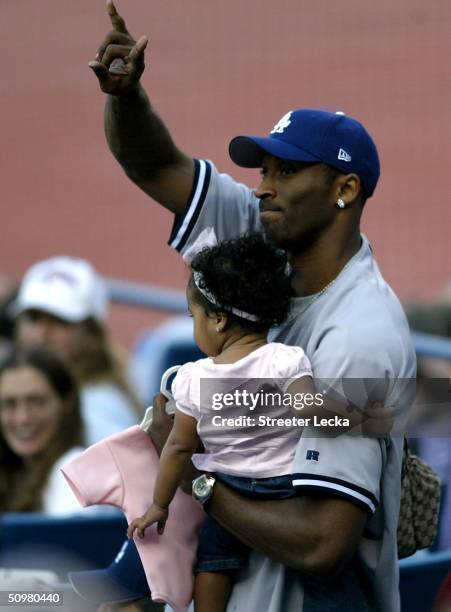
{"x": 334, "y": 546}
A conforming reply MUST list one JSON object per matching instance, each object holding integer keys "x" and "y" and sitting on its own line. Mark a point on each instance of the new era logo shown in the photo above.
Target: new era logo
{"x": 344, "y": 156}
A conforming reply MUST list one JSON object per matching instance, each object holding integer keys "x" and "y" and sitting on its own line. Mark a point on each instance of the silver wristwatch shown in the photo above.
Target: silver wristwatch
{"x": 203, "y": 488}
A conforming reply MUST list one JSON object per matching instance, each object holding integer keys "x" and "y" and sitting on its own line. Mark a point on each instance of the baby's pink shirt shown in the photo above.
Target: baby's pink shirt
{"x": 251, "y": 451}
{"x": 121, "y": 471}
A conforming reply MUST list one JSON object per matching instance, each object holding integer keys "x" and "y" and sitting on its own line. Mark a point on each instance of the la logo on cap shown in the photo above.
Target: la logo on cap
{"x": 282, "y": 124}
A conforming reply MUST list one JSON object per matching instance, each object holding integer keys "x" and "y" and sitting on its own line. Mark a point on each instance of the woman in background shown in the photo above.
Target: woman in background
{"x": 40, "y": 430}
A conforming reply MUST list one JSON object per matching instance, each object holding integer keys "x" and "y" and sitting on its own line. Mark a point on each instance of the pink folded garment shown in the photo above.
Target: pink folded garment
{"x": 121, "y": 471}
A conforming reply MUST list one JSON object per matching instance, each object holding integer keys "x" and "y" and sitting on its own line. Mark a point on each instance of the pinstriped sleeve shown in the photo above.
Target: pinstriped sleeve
{"x": 216, "y": 201}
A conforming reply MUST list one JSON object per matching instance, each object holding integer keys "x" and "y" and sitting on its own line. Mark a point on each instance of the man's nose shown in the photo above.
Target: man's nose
{"x": 266, "y": 189}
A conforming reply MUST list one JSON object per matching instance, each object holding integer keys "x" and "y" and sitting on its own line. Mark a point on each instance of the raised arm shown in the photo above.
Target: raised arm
{"x": 136, "y": 135}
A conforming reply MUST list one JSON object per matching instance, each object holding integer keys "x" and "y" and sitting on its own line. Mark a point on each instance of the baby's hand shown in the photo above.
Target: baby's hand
{"x": 154, "y": 514}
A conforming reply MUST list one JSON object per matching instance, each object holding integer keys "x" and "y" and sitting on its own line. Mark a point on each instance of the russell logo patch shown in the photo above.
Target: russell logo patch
{"x": 312, "y": 455}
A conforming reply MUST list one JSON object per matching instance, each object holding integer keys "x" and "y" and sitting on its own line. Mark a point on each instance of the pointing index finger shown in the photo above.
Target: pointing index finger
{"x": 116, "y": 20}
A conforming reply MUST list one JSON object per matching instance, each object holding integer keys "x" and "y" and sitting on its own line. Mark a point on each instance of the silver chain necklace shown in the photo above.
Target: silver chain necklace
{"x": 308, "y": 302}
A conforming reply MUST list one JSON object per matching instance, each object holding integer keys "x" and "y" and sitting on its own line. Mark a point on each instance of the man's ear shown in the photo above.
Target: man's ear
{"x": 348, "y": 188}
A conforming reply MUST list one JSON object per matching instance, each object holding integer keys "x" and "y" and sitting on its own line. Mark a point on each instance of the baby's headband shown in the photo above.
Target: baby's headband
{"x": 199, "y": 281}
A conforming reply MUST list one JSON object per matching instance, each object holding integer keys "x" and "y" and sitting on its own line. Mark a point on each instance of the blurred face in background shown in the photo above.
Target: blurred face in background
{"x": 30, "y": 411}
{"x": 35, "y": 327}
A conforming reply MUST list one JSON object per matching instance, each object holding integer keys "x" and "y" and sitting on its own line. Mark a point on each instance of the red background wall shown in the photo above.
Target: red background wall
{"x": 216, "y": 69}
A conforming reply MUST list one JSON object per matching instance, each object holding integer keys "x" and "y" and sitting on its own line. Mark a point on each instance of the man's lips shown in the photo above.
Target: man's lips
{"x": 268, "y": 207}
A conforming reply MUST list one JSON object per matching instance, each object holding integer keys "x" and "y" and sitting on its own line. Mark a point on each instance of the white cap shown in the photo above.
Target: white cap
{"x": 66, "y": 287}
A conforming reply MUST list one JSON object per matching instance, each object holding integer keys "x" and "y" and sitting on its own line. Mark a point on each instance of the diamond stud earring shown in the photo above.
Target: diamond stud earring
{"x": 341, "y": 203}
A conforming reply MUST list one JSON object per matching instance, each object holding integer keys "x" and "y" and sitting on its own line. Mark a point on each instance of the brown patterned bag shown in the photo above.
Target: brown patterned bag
{"x": 420, "y": 504}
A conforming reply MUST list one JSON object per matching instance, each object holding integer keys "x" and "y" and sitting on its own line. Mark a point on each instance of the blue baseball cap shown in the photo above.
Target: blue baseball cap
{"x": 123, "y": 580}
{"x": 313, "y": 136}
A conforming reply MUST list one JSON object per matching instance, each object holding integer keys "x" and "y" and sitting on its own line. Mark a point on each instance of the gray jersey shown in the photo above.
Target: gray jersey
{"x": 355, "y": 329}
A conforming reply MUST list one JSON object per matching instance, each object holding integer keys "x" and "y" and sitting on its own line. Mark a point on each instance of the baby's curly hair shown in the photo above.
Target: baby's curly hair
{"x": 248, "y": 274}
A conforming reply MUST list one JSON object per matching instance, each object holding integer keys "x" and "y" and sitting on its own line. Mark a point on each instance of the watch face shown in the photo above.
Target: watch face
{"x": 202, "y": 488}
